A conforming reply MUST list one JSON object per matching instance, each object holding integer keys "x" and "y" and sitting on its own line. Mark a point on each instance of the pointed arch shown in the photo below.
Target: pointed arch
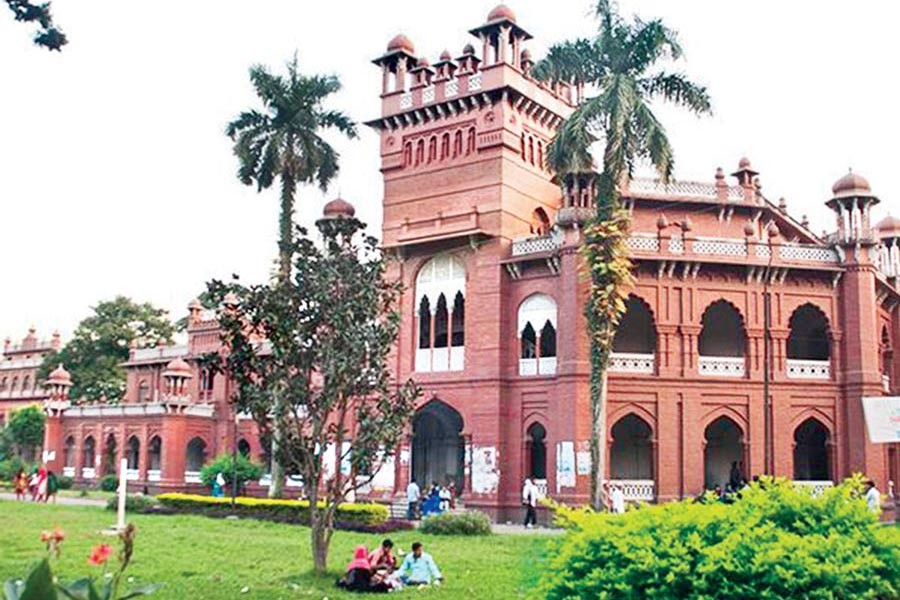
{"x": 437, "y": 446}
{"x": 636, "y": 333}
{"x": 537, "y": 333}
{"x": 631, "y": 448}
{"x": 723, "y": 453}
{"x": 810, "y": 334}
{"x": 540, "y": 222}
{"x": 441, "y": 288}
{"x": 536, "y": 451}
{"x": 154, "y": 454}
{"x": 69, "y": 452}
{"x": 723, "y": 332}
{"x": 812, "y": 461}
{"x": 133, "y": 452}
{"x": 195, "y": 455}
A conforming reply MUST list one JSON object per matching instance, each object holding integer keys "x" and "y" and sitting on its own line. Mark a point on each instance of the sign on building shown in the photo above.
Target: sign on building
{"x": 882, "y": 415}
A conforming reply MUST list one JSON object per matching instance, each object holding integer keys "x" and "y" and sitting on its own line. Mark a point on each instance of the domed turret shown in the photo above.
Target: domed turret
{"x": 851, "y": 185}
{"x": 338, "y": 209}
{"x": 59, "y": 376}
{"x": 178, "y": 368}
{"x": 501, "y": 12}
{"x": 401, "y": 43}
{"x": 888, "y": 227}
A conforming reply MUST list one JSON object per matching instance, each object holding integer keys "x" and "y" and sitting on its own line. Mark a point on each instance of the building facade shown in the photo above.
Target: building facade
{"x": 19, "y": 364}
{"x": 748, "y": 340}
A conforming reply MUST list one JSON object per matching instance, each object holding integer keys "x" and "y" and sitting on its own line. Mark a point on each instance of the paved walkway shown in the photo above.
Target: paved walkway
{"x": 510, "y": 529}
{"x": 64, "y": 500}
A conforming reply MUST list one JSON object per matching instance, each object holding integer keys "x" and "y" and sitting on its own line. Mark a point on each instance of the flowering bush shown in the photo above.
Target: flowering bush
{"x": 291, "y": 511}
{"x": 471, "y": 522}
{"x": 40, "y": 583}
{"x": 773, "y": 542}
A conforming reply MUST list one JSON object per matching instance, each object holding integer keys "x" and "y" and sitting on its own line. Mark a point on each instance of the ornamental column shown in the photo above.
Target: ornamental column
{"x": 58, "y": 382}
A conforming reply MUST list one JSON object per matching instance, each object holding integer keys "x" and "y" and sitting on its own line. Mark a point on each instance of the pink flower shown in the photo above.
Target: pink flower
{"x": 100, "y": 554}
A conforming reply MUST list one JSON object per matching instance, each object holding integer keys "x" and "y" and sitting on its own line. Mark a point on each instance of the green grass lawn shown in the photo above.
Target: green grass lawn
{"x": 198, "y": 557}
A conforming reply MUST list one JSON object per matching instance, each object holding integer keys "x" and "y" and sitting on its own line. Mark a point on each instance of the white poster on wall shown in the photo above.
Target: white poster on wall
{"x": 882, "y": 414}
{"x": 565, "y": 465}
{"x": 485, "y": 470}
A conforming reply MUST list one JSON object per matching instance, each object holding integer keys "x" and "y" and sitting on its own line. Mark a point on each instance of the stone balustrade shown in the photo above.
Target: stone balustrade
{"x": 626, "y": 362}
{"x": 722, "y": 366}
{"x": 636, "y": 490}
{"x": 808, "y": 369}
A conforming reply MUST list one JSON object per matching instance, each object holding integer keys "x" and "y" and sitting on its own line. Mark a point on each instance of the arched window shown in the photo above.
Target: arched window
{"x": 69, "y": 458}
{"x": 196, "y": 455}
{"x": 3, "y": 383}
{"x": 15, "y": 383}
{"x": 420, "y": 152}
{"x": 722, "y": 342}
{"x": 537, "y": 335}
{"x": 631, "y": 452}
{"x": 88, "y": 453}
{"x": 26, "y": 382}
{"x": 540, "y": 222}
{"x": 155, "y": 454}
{"x": 457, "y": 143}
{"x": 407, "y": 154}
{"x": 133, "y": 453}
{"x": 811, "y": 452}
{"x": 144, "y": 391}
{"x": 522, "y": 149}
{"x": 432, "y": 149}
{"x": 244, "y": 448}
{"x": 887, "y": 359}
{"x": 809, "y": 339}
{"x": 723, "y": 454}
{"x": 540, "y": 154}
{"x": 441, "y": 343}
{"x": 537, "y": 452}
{"x": 445, "y": 146}
{"x": 470, "y": 141}
{"x": 438, "y": 448}
{"x": 634, "y": 345}
{"x": 531, "y": 150}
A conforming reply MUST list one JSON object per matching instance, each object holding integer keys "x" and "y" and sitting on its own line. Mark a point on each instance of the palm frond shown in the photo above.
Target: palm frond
{"x": 650, "y": 42}
{"x": 679, "y": 90}
{"x": 654, "y": 142}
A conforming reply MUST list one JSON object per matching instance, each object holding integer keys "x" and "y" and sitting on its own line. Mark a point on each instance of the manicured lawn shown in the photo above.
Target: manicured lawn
{"x": 199, "y": 557}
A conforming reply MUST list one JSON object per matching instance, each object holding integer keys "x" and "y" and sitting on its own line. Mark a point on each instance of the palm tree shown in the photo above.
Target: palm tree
{"x": 621, "y": 68}
{"x": 284, "y": 141}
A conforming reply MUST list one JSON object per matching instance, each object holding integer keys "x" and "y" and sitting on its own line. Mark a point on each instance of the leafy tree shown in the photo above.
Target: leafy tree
{"x": 284, "y": 142}
{"x": 101, "y": 343}
{"x": 26, "y": 431}
{"x": 247, "y": 470}
{"x": 317, "y": 346}
{"x": 48, "y": 35}
{"x": 616, "y": 75}
{"x": 776, "y": 541}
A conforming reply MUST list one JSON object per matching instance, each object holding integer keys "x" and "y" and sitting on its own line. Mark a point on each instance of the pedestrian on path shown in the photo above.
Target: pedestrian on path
{"x": 529, "y": 501}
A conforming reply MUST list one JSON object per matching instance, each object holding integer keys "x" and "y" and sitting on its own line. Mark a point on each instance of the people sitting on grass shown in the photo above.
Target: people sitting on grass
{"x": 383, "y": 564}
{"x": 419, "y": 568}
{"x": 358, "y": 574}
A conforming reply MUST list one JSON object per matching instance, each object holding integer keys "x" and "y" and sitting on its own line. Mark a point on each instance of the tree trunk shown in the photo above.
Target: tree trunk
{"x": 598, "y": 427}
{"x": 285, "y": 254}
{"x": 320, "y": 540}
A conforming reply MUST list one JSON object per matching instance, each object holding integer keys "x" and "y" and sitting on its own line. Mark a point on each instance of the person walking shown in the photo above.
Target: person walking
{"x": 617, "y": 499}
{"x": 21, "y": 484}
{"x": 529, "y": 501}
{"x": 873, "y": 497}
{"x": 412, "y": 499}
{"x": 52, "y": 486}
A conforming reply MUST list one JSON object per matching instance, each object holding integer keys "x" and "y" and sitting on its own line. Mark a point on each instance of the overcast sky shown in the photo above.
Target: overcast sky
{"x": 116, "y": 178}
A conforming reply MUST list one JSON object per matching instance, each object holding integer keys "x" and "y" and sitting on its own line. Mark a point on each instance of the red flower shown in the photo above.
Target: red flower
{"x": 100, "y": 554}
{"x": 58, "y": 535}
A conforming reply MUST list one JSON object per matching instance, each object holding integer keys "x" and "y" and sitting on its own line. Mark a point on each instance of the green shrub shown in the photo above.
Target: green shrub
{"x": 774, "y": 542}
{"x": 247, "y": 470}
{"x": 64, "y": 483}
{"x": 133, "y": 503}
{"x": 11, "y": 466}
{"x": 290, "y": 511}
{"x": 470, "y": 522}
{"x": 108, "y": 483}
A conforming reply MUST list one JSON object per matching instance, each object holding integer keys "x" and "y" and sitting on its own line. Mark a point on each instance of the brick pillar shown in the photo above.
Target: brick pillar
{"x": 53, "y": 440}
{"x": 174, "y": 449}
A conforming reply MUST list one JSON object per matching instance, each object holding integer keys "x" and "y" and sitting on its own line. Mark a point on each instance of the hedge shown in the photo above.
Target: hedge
{"x": 288, "y": 511}
{"x": 470, "y": 522}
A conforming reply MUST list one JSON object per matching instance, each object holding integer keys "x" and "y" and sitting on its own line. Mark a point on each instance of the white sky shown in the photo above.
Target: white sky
{"x": 116, "y": 178}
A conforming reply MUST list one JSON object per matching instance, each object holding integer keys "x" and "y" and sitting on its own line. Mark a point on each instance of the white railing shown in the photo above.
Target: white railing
{"x": 547, "y": 365}
{"x": 626, "y": 362}
{"x": 192, "y": 477}
{"x": 457, "y": 358}
{"x": 406, "y": 100}
{"x": 808, "y": 252}
{"x": 722, "y": 366}
{"x": 68, "y": 471}
{"x": 643, "y": 242}
{"x": 440, "y": 359}
{"x": 537, "y": 366}
{"x": 451, "y": 88}
{"x": 428, "y": 94}
{"x": 635, "y": 490}
{"x": 423, "y": 360}
{"x": 676, "y": 244}
{"x": 158, "y": 352}
{"x": 154, "y": 475}
{"x": 31, "y": 392}
{"x": 886, "y": 382}
{"x": 132, "y": 474}
{"x": 475, "y": 82}
{"x": 544, "y": 243}
{"x": 720, "y": 246}
{"x": 88, "y": 473}
{"x": 697, "y": 189}
{"x": 21, "y": 363}
{"x": 527, "y": 366}
{"x": 808, "y": 369}
{"x": 815, "y": 487}
{"x": 541, "y": 485}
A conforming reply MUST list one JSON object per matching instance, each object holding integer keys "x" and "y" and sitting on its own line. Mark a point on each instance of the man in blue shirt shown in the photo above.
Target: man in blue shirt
{"x": 418, "y": 568}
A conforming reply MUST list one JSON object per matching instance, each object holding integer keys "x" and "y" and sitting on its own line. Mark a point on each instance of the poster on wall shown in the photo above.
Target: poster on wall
{"x": 583, "y": 456}
{"x": 565, "y": 465}
{"x": 485, "y": 474}
{"x": 882, "y": 414}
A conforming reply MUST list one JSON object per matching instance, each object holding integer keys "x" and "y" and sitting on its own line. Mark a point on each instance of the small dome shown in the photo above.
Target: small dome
{"x": 195, "y": 304}
{"x": 888, "y": 227}
{"x": 501, "y": 12}
{"x": 744, "y": 163}
{"x": 526, "y": 55}
{"x": 401, "y": 42}
{"x": 851, "y": 184}
{"x": 177, "y": 368}
{"x": 338, "y": 208}
{"x": 468, "y": 49}
{"x": 423, "y": 62}
{"x": 230, "y": 299}
{"x": 445, "y": 55}
{"x": 59, "y": 376}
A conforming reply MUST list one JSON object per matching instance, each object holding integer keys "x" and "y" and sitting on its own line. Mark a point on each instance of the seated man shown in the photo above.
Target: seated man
{"x": 382, "y": 559}
{"x": 418, "y": 568}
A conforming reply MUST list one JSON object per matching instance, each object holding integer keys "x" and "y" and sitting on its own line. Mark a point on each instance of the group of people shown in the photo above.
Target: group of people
{"x": 439, "y": 499}
{"x": 381, "y": 572}
{"x": 42, "y": 484}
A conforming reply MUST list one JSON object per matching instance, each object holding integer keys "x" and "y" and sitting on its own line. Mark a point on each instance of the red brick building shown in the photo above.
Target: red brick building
{"x": 19, "y": 363}
{"x": 492, "y": 326}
